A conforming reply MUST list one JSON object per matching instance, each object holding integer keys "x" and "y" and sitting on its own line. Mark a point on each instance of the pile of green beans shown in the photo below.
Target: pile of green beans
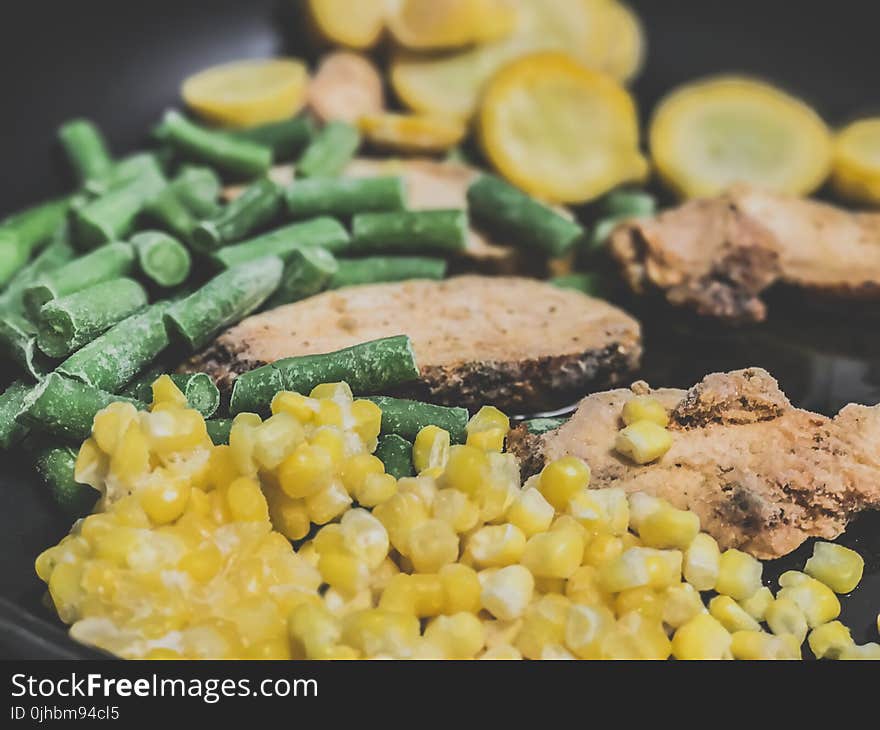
{"x": 143, "y": 263}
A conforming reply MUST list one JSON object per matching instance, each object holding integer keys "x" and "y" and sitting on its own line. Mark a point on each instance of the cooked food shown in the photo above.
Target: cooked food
{"x": 717, "y": 255}
{"x": 761, "y": 475}
{"x": 412, "y": 133}
{"x": 430, "y": 25}
{"x": 517, "y": 343}
{"x": 856, "y": 172}
{"x": 346, "y": 86}
{"x": 356, "y": 25}
{"x": 709, "y": 134}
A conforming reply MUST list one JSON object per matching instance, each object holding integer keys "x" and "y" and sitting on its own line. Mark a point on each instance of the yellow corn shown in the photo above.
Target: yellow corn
{"x": 543, "y": 625}
{"x": 246, "y": 501}
{"x": 641, "y": 505}
{"x": 602, "y": 549}
{"x": 461, "y": 589}
{"x": 836, "y": 566}
{"x": 643, "y": 441}
{"x": 862, "y": 651}
{"x": 488, "y": 429}
{"x": 496, "y": 545}
{"x": 753, "y": 644}
{"x": 681, "y": 602}
{"x": 584, "y": 628}
{"x": 460, "y": 636}
{"x": 166, "y": 393}
{"x": 530, "y": 512}
{"x": 601, "y": 510}
{"x": 365, "y": 537}
{"x": 739, "y": 574}
{"x": 554, "y": 554}
{"x": 562, "y": 479}
{"x": 703, "y": 637}
{"x": 430, "y": 449}
{"x": 327, "y": 504}
{"x": 346, "y": 573}
{"x": 242, "y": 439}
{"x": 306, "y": 472}
{"x": 829, "y": 640}
{"x": 455, "y": 509}
{"x": 165, "y": 500}
{"x": 111, "y": 423}
{"x": 816, "y": 600}
{"x": 367, "y": 420}
{"x": 702, "y": 562}
{"x": 756, "y": 605}
{"x": 642, "y": 600}
{"x": 502, "y": 651}
{"x": 376, "y": 488}
{"x": 303, "y": 409}
{"x": 783, "y": 616}
{"x": 668, "y": 527}
{"x": 731, "y": 615}
{"x": 583, "y": 586}
{"x": 645, "y": 408}
{"x": 637, "y": 636}
{"x": 276, "y": 438}
{"x": 312, "y": 630}
{"x": 432, "y": 545}
{"x": 376, "y": 632}
{"x": 506, "y": 592}
{"x": 401, "y": 514}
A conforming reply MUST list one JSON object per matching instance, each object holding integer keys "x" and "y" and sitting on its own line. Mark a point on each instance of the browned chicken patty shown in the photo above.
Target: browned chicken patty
{"x": 717, "y": 255}
{"x": 519, "y": 344}
{"x": 762, "y": 475}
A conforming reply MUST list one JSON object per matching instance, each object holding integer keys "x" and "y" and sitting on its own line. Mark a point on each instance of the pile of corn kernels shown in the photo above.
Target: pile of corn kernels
{"x": 189, "y": 553}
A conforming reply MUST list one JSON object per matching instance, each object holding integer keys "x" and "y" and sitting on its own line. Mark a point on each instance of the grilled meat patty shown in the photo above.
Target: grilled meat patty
{"x": 717, "y": 255}
{"x": 762, "y": 475}
{"x": 519, "y": 344}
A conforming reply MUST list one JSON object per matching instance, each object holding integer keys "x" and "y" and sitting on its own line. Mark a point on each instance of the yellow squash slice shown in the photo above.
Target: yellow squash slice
{"x": 441, "y": 24}
{"x": 709, "y": 134}
{"x": 558, "y": 130}
{"x": 626, "y": 51}
{"x": 412, "y": 132}
{"x": 356, "y": 24}
{"x": 856, "y": 173}
{"x": 247, "y": 93}
{"x": 450, "y": 84}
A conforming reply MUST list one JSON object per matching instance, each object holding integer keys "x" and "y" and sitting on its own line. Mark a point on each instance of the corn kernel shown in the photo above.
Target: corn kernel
{"x": 636, "y": 636}
{"x": 870, "y": 651}
{"x": 554, "y": 554}
{"x": 131, "y": 459}
{"x": 175, "y": 431}
{"x": 756, "y": 645}
{"x": 303, "y": 409}
{"x": 681, "y": 602}
{"x": 165, "y": 501}
{"x": 327, "y": 504}
{"x": 829, "y": 640}
{"x": 376, "y": 488}
{"x": 496, "y": 545}
{"x": 330, "y": 413}
{"x": 502, "y": 651}
{"x": 543, "y": 624}
{"x": 602, "y": 549}
{"x": 836, "y": 566}
{"x": 739, "y": 574}
{"x": 203, "y": 563}
{"x": 601, "y": 510}
{"x": 583, "y": 586}
{"x": 455, "y": 509}
{"x": 110, "y": 423}
{"x": 332, "y": 440}
{"x": 423, "y": 487}
{"x": 783, "y": 616}
{"x": 530, "y": 512}
{"x": 584, "y": 628}
{"x": 629, "y": 570}
{"x": 461, "y": 589}
{"x": 306, "y": 472}
{"x": 432, "y": 545}
{"x": 562, "y": 479}
{"x": 364, "y": 536}
{"x": 731, "y": 615}
{"x": 461, "y": 635}
{"x": 816, "y": 600}
{"x": 166, "y": 393}
{"x": 401, "y": 514}
{"x": 506, "y": 592}
{"x": 642, "y": 600}
{"x": 367, "y": 418}
{"x": 289, "y": 516}
{"x": 643, "y": 441}
{"x": 246, "y": 501}
{"x": 311, "y": 629}
{"x": 668, "y": 527}
{"x": 756, "y": 605}
{"x": 702, "y": 562}
{"x": 645, "y": 408}
{"x": 430, "y": 448}
{"x": 91, "y": 463}
{"x": 642, "y": 505}
{"x": 376, "y": 632}
{"x": 466, "y": 469}
{"x": 488, "y": 429}
{"x": 346, "y": 573}
{"x": 275, "y": 438}
{"x": 703, "y": 637}
{"x": 242, "y": 439}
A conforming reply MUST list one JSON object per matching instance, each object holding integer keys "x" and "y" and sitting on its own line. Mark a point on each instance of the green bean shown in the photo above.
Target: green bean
{"x": 169, "y": 213}
{"x": 538, "y": 426}
{"x": 198, "y": 189}
{"x": 218, "y": 430}
{"x": 407, "y": 417}
{"x": 110, "y": 361}
{"x": 306, "y": 272}
{"x": 163, "y": 260}
{"x": 331, "y": 149}
{"x": 57, "y": 253}
{"x": 377, "y": 269}
{"x": 591, "y": 283}
{"x": 55, "y": 467}
{"x": 256, "y": 207}
{"x": 511, "y": 215}
{"x": 21, "y": 234}
{"x": 325, "y": 233}
{"x": 67, "y": 323}
{"x": 343, "y": 197}
{"x": 112, "y": 215}
{"x": 200, "y": 391}
{"x": 236, "y": 156}
{"x": 629, "y": 204}
{"x": 368, "y": 367}
{"x": 227, "y": 298}
{"x": 11, "y": 402}
{"x": 285, "y": 138}
{"x": 396, "y": 453}
{"x": 411, "y": 230}
{"x": 65, "y": 408}
{"x": 141, "y": 386}
{"x": 600, "y": 234}
{"x": 18, "y": 340}
{"x": 103, "y": 264}
{"x": 85, "y": 148}
{"x": 123, "y": 172}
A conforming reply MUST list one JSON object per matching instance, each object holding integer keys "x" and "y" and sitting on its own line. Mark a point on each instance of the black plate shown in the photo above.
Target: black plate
{"x": 120, "y": 64}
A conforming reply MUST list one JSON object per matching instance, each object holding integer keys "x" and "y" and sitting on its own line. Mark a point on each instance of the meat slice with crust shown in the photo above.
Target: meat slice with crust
{"x": 717, "y": 255}
{"x": 762, "y": 475}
